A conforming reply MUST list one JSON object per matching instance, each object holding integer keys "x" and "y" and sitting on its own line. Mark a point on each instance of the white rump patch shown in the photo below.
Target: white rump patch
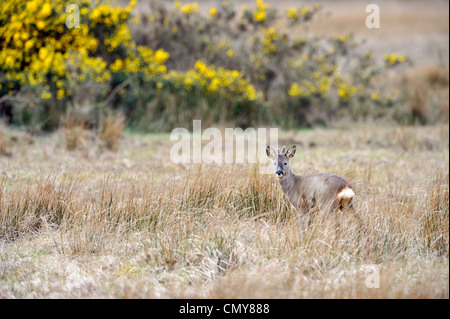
{"x": 347, "y": 192}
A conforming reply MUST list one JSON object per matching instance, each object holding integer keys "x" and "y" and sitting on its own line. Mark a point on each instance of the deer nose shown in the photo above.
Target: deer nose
{"x": 279, "y": 173}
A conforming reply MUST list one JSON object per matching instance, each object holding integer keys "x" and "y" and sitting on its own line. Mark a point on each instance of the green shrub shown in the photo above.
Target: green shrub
{"x": 170, "y": 65}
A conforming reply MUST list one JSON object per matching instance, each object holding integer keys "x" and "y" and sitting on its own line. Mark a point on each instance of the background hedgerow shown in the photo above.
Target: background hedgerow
{"x": 98, "y": 66}
{"x": 305, "y": 79}
{"x": 162, "y": 65}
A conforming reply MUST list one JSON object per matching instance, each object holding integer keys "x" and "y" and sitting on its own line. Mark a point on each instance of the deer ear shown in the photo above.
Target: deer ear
{"x": 270, "y": 152}
{"x": 291, "y": 151}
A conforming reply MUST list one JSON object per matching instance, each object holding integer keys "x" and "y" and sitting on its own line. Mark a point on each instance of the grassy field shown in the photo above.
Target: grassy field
{"x": 131, "y": 224}
{"x": 78, "y": 220}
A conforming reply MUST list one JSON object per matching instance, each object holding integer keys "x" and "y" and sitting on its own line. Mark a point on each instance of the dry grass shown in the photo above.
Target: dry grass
{"x": 110, "y": 131}
{"x": 5, "y": 142}
{"x": 131, "y": 224}
{"x": 426, "y": 91}
{"x": 73, "y": 133}
{"x": 107, "y": 136}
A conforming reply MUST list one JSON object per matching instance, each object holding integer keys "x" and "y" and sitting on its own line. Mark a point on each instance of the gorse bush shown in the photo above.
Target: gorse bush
{"x": 54, "y": 66}
{"x": 304, "y": 79}
{"x": 205, "y": 92}
{"x": 40, "y": 55}
{"x": 167, "y": 65}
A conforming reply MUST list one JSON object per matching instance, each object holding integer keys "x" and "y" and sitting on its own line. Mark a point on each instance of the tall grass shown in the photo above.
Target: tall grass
{"x": 5, "y": 142}
{"x": 227, "y": 231}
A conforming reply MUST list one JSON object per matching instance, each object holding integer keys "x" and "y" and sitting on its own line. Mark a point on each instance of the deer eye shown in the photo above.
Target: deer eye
{"x": 285, "y": 163}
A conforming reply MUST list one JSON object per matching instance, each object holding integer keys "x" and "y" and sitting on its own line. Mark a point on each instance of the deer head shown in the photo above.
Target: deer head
{"x": 280, "y": 160}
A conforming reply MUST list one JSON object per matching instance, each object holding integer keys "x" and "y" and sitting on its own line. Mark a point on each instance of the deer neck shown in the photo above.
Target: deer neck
{"x": 287, "y": 183}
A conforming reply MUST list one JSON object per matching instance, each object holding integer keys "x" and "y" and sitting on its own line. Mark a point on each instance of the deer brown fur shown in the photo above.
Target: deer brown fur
{"x": 327, "y": 192}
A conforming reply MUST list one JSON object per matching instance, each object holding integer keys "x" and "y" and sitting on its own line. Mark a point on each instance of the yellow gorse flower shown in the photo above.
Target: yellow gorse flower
{"x": 187, "y": 9}
{"x": 190, "y": 8}
{"x": 161, "y": 56}
{"x": 260, "y": 14}
{"x": 38, "y": 49}
{"x": 293, "y": 14}
{"x": 344, "y": 37}
{"x": 228, "y": 84}
{"x": 46, "y": 10}
{"x": 395, "y": 58}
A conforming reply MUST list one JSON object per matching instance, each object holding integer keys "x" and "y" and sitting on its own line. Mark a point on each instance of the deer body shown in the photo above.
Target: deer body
{"x": 323, "y": 191}
{"x": 327, "y": 192}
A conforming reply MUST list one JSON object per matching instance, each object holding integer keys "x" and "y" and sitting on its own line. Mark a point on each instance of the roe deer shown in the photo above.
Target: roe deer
{"x": 325, "y": 191}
